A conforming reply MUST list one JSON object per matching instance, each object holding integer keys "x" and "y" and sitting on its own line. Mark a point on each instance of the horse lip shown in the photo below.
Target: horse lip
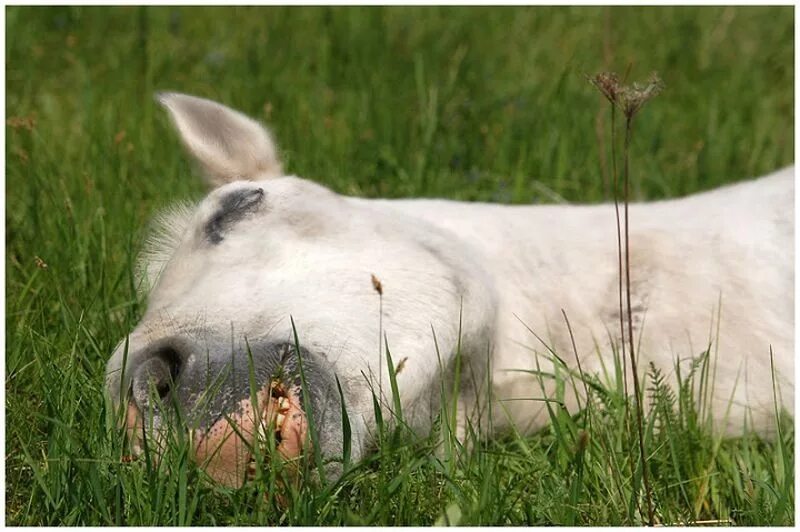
{"x": 134, "y": 428}
{"x": 225, "y": 448}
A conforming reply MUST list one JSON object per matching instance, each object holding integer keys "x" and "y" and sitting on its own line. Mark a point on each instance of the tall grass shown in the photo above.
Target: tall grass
{"x": 473, "y": 104}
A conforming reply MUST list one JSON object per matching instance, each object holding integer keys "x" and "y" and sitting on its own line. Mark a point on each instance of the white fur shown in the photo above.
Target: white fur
{"x": 481, "y": 277}
{"x": 731, "y": 247}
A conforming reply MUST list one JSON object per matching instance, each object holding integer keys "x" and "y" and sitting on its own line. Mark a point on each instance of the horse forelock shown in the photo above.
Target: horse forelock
{"x": 165, "y": 234}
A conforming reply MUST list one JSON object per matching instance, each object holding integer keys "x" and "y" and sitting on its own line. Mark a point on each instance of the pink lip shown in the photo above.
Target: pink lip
{"x": 225, "y": 450}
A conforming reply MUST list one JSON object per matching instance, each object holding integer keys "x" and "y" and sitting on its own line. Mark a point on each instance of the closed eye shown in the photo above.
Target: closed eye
{"x": 232, "y": 207}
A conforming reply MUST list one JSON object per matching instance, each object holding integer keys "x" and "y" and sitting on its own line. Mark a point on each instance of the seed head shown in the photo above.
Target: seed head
{"x": 608, "y": 85}
{"x": 400, "y": 366}
{"x": 376, "y": 284}
{"x": 638, "y": 94}
{"x": 583, "y": 441}
{"x": 630, "y": 98}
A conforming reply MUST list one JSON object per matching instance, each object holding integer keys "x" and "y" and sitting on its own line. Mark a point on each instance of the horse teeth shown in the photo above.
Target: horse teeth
{"x": 283, "y": 403}
{"x": 279, "y": 420}
{"x": 262, "y": 431}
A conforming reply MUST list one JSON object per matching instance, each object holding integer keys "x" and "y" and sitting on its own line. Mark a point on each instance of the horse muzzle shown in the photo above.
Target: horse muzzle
{"x": 239, "y": 405}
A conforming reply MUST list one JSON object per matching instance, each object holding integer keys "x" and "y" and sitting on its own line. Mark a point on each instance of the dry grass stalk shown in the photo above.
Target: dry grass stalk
{"x": 630, "y": 99}
{"x": 378, "y": 287}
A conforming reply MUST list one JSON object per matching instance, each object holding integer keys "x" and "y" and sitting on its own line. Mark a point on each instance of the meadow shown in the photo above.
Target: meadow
{"x": 475, "y": 104}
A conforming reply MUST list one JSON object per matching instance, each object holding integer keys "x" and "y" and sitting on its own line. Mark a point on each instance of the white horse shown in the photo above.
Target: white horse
{"x": 470, "y": 279}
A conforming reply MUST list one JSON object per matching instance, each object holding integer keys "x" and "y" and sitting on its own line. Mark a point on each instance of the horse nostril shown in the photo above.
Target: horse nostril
{"x": 156, "y": 375}
{"x": 173, "y": 361}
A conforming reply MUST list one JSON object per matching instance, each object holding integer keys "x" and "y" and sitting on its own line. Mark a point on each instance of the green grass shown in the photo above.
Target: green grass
{"x": 473, "y": 104}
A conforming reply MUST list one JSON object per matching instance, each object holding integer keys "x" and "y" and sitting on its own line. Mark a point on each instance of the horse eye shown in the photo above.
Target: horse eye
{"x": 232, "y": 207}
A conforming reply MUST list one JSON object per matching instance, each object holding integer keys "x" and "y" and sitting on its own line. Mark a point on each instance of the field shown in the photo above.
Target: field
{"x": 486, "y": 104}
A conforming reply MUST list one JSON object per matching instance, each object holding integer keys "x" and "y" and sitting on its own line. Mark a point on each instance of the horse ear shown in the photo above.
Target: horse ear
{"x": 228, "y": 145}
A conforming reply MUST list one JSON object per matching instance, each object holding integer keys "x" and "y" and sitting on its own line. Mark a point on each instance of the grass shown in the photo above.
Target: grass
{"x": 472, "y": 104}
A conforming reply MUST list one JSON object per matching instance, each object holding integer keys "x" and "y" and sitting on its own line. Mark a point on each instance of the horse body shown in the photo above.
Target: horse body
{"x": 460, "y": 289}
{"x": 719, "y": 258}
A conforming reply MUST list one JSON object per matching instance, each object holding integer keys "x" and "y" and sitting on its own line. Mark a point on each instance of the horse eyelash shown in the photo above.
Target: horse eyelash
{"x": 232, "y": 207}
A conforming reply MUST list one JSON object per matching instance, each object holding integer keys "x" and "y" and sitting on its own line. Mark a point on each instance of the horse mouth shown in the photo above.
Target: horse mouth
{"x": 271, "y": 426}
